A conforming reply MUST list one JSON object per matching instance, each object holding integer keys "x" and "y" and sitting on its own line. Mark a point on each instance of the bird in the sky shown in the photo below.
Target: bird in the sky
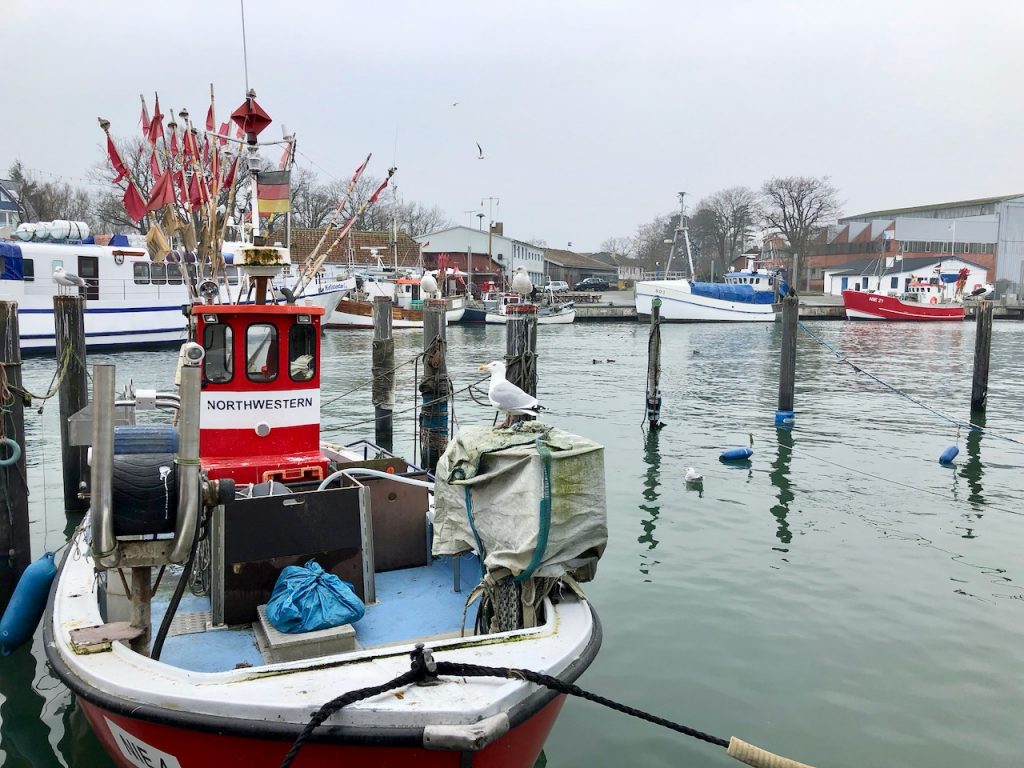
{"x": 480, "y": 150}
{"x": 455, "y": 103}
{"x": 507, "y": 397}
{"x": 521, "y": 283}
{"x": 428, "y": 284}
{"x": 66, "y": 280}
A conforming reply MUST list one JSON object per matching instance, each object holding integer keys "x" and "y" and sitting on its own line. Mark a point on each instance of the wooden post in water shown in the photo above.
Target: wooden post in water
{"x": 434, "y": 387}
{"x": 521, "y": 350}
{"x": 383, "y": 391}
{"x": 654, "y": 367}
{"x": 15, "y": 548}
{"x": 785, "y": 415}
{"x": 982, "y": 350}
{"x": 69, "y": 320}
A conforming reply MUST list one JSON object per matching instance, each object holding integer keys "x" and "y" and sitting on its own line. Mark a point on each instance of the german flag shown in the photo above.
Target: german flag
{"x": 272, "y": 189}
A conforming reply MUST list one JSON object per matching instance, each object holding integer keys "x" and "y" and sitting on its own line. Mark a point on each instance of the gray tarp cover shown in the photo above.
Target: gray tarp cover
{"x": 504, "y": 471}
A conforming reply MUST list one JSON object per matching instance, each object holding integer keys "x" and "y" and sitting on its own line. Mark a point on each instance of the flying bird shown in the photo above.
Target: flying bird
{"x": 66, "y": 280}
{"x": 521, "y": 283}
{"x": 455, "y": 103}
{"x": 507, "y": 397}
{"x": 480, "y": 150}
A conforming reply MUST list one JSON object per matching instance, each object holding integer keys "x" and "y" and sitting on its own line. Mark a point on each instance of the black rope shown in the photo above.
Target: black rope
{"x": 425, "y": 668}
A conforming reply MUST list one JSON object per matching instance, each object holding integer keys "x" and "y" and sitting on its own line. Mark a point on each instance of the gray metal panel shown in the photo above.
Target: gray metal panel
{"x": 1010, "y": 246}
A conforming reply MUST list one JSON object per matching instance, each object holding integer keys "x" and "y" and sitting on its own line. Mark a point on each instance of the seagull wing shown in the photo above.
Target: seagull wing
{"x": 480, "y": 149}
{"x": 506, "y": 396}
{"x": 76, "y": 280}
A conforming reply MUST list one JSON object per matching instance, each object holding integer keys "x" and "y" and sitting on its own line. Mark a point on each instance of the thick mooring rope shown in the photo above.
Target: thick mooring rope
{"x": 424, "y": 668}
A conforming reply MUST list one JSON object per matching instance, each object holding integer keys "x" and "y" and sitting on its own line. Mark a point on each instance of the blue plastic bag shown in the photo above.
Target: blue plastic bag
{"x": 307, "y": 598}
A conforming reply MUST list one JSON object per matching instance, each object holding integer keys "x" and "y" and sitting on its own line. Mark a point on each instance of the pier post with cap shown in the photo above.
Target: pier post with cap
{"x": 383, "y": 390}
{"x": 15, "y": 549}
{"x": 434, "y": 385}
{"x": 521, "y": 350}
{"x": 982, "y": 351}
{"x": 785, "y": 414}
{"x": 73, "y": 394}
{"x": 654, "y": 367}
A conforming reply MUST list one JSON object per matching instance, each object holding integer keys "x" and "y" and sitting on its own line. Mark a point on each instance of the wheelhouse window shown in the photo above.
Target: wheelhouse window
{"x": 217, "y": 343}
{"x": 140, "y": 271}
{"x": 261, "y": 352}
{"x": 28, "y": 268}
{"x": 158, "y": 273}
{"x": 301, "y": 352}
{"x": 174, "y": 276}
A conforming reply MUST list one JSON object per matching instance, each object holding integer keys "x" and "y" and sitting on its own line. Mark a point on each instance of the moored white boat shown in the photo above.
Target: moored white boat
{"x": 548, "y": 313}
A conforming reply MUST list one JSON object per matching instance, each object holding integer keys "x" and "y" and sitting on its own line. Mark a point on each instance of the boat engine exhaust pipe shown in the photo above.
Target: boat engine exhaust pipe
{"x": 189, "y": 491}
{"x": 104, "y": 544}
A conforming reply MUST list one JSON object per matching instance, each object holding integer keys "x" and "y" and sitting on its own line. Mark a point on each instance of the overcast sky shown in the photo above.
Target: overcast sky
{"x": 591, "y": 115}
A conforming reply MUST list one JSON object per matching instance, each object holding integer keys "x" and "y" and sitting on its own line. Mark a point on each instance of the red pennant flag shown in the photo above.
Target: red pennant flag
{"x": 162, "y": 194}
{"x": 134, "y": 205}
{"x": 174, "y": 142}
{"x": 206, "y": 152}
{"x": 285, "y": 157}
{"x": 224, "y": 131}
{"x": 230, "y": 178}
{"x": 210, "y": 124}
{"x": 156, "y": 125}
{"x": 373, "y": 198}
{"x": 197, "y": 191}
{"x": 179, "y": 179}
{"x": 115, "y": 160}
{"x": 239, "y": 133}
{"x": 154, "y": 164}
{"x": 360, "y": 169}
{"x": 145, "y": 116}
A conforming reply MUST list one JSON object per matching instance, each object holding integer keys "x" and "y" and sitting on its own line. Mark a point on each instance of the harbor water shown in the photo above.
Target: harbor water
{"x": 842, "y": 599}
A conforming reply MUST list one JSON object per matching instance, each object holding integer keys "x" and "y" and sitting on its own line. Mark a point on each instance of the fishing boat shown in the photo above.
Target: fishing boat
{"x": 355, "y": 309}
{"x": 242, "y": 487}
{"x": 747, "y": 295}
{"x": 939, "y": 297}
{"x": 549, "y": 312}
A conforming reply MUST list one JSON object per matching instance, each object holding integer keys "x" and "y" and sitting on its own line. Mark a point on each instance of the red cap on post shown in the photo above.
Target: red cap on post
{"x": 521, "y": 309}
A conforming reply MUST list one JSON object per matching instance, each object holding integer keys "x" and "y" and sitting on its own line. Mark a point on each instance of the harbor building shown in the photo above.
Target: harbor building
{"x": 893, "y": 274}
{"x": 986, "y": 232}
{"x": 452, "y": 244}
{"x": 560, "y": 264}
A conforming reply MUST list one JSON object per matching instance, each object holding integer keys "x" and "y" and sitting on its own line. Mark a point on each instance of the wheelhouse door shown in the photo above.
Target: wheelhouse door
{"x": 89, "y": 270}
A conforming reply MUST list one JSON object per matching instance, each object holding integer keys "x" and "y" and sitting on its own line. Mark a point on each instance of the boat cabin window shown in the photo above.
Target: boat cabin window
{"x": 232, "y": 273}
{"x": 158, "y": 273}
{"x": 29, "y": 270}
{"x": 217, "y": 343}
{"x": 301, "y": 352}
{"x": 141, "y": 273}
{"x": 261, "y": 352}
{"x": 56, "y": 263}
{"x": 174, "y": 276}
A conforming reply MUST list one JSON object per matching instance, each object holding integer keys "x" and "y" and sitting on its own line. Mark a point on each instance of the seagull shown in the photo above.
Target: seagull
{"x": 693, "y": 476}
{"x": 455, "y": 103}
{"x": 521, "y": 283}
{"x": 506, "y": 396}
{"x": 66, "y": 279}
{"x": 481, "y": 150}
{"x": 428, "y": 284}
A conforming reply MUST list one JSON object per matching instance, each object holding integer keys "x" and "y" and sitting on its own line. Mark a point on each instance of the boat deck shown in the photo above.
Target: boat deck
{"x": 412, "y": 604}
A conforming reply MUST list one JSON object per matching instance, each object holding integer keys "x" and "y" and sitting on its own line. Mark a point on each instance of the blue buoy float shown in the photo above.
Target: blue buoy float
{"x": 784, "y": 419}
{"x": 948, "y": 455}
{"x": 736, "y": 454}
{"x": 27, "y": 604}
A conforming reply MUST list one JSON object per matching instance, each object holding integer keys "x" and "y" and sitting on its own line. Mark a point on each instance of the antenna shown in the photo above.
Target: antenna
{"x": 245, "y": 52}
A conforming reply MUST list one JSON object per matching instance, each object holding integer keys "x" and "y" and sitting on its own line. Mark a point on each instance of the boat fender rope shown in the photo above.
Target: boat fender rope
{"x": 425, "y": 669}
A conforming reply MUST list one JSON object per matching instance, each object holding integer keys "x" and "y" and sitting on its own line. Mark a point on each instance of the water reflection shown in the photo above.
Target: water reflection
{"x": 651, "y": 508}
{"x": 971, "y": 471}
{"x": 24, "y": 733}
{"x": 780, "y": 479}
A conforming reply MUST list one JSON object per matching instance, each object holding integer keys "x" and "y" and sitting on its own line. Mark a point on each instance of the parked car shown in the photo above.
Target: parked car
{"x": 591, "y": 284}
{"x": 558, "y": 286}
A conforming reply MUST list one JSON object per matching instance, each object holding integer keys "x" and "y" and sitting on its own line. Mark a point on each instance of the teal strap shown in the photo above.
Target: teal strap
{"x": 544, "y": 526}
{"x": 472, "y": 527}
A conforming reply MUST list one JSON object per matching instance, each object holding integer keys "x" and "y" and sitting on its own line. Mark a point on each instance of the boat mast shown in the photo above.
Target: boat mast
{"x": 682, "y": 226}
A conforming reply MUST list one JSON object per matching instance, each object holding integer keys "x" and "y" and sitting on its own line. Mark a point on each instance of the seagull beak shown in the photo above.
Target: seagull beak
{"x": 485, "y": 367}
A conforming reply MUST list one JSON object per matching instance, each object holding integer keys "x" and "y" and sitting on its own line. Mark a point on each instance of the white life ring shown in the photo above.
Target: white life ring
{"x": 934, "y": 299}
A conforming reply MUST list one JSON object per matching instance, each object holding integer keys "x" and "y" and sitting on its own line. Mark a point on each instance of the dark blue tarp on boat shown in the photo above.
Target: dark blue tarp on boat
{"x": 741, "y": 294}
{"x": 13, "y": 266}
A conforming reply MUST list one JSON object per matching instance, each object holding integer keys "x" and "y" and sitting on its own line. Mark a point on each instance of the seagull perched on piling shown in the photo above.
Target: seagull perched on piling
{"x": 521, "y": 283}
{"x": 506, "y": 396}
{"x": 428, "y": 284}
{"x": 66, "y": 280}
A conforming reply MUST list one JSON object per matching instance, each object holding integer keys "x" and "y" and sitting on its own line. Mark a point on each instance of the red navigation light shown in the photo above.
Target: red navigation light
{"x": 251, "y": 118}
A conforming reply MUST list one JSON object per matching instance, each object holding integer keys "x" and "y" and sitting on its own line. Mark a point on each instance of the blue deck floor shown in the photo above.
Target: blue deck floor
{"x": 411, "y": 603}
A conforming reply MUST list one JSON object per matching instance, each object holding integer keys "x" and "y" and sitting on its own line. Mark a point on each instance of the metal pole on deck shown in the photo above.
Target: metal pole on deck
{"x": 434, "y": 386}
{"x": 521, "y": 350}
{"x": 14, "y": 529}
{"x": 73, "y": 395}
{"x": 785, "y": 415}
{"x": 982, "y": 352}
{"x": 654, "y": 367}
{"x": 383, "y": 371}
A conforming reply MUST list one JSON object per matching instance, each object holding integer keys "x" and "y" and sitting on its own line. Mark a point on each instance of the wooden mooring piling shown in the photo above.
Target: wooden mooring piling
{"x": 654, "y": 367}
{"x": 982, "y": 353}
{"x": 434, "y": 385}
{"x": 521, "y": 350}
{"x": 14, "y": 528}
{"x": 73, "y": 394}
{"x": 785, "y": 414}
{"x": 383, "y": 389}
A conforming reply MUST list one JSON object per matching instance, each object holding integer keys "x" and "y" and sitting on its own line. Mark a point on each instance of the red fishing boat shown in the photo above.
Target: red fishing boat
{"x": 241, "y": 486}
{"x": 923, "y": 300}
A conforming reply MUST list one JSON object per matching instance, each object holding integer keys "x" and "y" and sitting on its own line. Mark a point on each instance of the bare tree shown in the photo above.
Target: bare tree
{"x": 796, "y": 206}
{"x": 46, "y": 201}
{"x": 312, "y": 202}
{"x": 622, "y": 247}
{"x": 650, "y": 241}
{"x": 722, "y": 225}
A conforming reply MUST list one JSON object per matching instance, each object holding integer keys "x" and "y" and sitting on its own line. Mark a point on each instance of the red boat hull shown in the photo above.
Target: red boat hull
{"x": 861, "y": 305}
{"x": 155, "y": 745}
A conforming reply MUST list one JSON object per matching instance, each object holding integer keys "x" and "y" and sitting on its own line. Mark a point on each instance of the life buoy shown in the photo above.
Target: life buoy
{"x": 934, "y": 300}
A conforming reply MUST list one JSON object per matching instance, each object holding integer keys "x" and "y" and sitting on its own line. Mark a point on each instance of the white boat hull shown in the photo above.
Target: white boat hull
{"x": 679, "y": 305}
{"x": 359, "y": 314}
{"x": 557, "y": 318}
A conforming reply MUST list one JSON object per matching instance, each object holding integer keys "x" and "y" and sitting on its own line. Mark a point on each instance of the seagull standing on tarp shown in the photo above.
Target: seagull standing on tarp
{"x": 507, "y": 397}
{"x": 66, "y": 280}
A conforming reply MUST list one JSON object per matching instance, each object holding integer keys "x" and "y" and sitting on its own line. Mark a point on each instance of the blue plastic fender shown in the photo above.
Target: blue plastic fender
{"x": 27, "y": 604}
{"x": 948, "y": 455}
{"x": 736, "y": 454}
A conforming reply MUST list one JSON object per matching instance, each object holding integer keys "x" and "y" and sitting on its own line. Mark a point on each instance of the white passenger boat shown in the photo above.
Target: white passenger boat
{"x": 548, "y": 313}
